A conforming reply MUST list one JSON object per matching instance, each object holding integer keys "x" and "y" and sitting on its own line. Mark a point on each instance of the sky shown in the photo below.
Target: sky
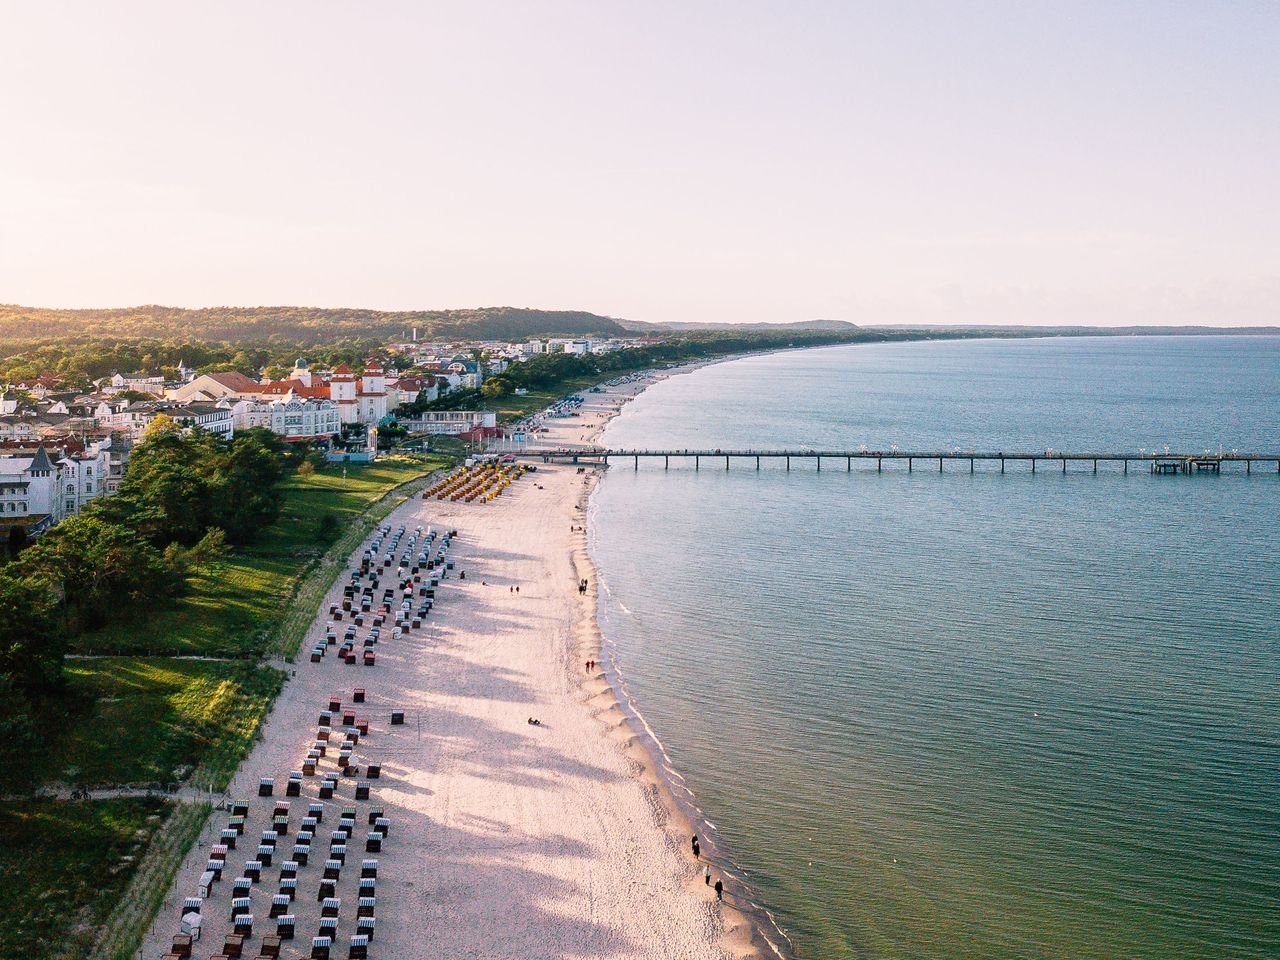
{"x": 970, "y": 162}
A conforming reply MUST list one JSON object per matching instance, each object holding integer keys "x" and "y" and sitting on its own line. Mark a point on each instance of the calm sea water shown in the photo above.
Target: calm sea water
{"x": 968, "y": 715}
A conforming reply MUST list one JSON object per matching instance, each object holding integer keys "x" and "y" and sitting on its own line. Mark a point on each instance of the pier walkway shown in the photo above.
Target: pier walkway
{"x": 1156, "y": 463}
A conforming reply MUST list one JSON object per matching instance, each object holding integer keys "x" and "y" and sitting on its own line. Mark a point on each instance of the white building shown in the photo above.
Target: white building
{"x": 39, "y": 490}
{"x": 215, "y": 418}
{"x": 121, "y": 382}
{"x": 449, "y": 422}
{"x": 28, "y": 488}
{"x": 293, "y": 418}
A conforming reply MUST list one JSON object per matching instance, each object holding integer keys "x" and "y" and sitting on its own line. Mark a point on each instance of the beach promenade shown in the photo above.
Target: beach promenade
{"x": 506, "y": 839}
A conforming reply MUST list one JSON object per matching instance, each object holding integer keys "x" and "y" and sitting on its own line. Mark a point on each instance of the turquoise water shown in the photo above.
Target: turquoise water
{"x": 968, "y": 715}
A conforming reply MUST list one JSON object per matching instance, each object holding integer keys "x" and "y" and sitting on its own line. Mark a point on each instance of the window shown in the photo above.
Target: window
{"x": 71, "y": 488}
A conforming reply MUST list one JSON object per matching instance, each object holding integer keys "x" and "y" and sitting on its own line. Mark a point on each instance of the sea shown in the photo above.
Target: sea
{"x": 957, "y": 715}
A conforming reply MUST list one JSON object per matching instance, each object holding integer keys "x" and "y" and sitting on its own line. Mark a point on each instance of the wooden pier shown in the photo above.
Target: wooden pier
{"x": 1156, "y": 463}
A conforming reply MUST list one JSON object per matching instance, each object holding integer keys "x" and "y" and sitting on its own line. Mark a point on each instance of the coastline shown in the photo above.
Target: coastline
{"x": 750, "y": 930}
{"x": 509, "y": 839}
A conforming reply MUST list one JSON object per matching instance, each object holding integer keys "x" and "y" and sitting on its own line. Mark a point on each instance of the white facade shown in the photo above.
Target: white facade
{"x": 449, "y": 422}
{"x": 293, "y": 418}
{"x": 39, "y": 486}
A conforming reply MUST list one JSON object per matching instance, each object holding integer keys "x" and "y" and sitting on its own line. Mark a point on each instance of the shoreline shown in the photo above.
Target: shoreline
{"x": 508, "y": 839}
{"x": 747, "y": 925}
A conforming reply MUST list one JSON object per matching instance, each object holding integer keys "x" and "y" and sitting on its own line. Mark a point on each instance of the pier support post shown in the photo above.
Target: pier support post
{"x": 971, "y": 464}
{"x": 939, "y": 464}
{"x": 637, "y": 462}
{"x": 819, "y": 464}
{"x": 788, "y": 464}
{"x": 1095, "y": 466}
{"x": 910, "y": 465}
{"x": 1126, "y": 467}
{"x": 848, "y": 464}
{"x": 666, "y": 463}
{"x": 879, "y": 464}
{"x": 1033, "y": 464}
{"x": 1247, "y": 465}
{"x": 1002, "y": 464}
{"x": 697, "y": 463}
{"x": 757, "y": 462}
{"x": 726, "y": 461}
{"x": 1064, "y": 464}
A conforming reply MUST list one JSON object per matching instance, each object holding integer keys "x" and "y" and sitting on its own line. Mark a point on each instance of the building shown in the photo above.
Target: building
{"x": 215, "y": 386}
{"x": 293, "y": 418}
{"x": 449, "y": 422}
{"x": 372, "y": 393}
{"x": 28, "y": 491}
{"x": 215, "y": 418}
{"x": 140, "y": 382}
{"x": 38, "y": 489}
{"x": 364, "y": 399}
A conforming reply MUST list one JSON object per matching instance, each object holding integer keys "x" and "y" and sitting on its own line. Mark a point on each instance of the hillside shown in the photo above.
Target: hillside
{"x": 295, "y": 324}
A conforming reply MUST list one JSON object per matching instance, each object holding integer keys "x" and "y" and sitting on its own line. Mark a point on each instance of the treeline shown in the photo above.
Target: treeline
{"x": 183, "y": 500}
{"x": 546, "y": 371}
{"x": 302, "y": 325}
{"x": 80, "y": 361}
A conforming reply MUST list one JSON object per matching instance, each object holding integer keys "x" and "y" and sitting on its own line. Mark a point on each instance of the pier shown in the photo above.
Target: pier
{"x": 1159, "y": 464}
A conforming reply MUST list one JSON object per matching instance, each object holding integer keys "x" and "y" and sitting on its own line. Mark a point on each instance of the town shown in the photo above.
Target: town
{"x": 61, "y": 448}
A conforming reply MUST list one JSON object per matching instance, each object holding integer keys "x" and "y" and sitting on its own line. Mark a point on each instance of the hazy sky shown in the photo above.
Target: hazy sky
{"x": 879, "y": 162}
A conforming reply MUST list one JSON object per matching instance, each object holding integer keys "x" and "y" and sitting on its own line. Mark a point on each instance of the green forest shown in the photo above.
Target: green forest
{"x": 23, "y": 326}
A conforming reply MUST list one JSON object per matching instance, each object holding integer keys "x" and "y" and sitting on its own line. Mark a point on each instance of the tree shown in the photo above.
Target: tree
{"x": 30, "y": 645}
{"x": 245, "y": 495}
{"x": 101, "y": 569}
{"x": 17, "y": 541}
{"x": 496, "y": 387}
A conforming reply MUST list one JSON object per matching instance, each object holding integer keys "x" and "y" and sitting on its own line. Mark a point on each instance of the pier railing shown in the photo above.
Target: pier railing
{"x": 1156, "y": 463}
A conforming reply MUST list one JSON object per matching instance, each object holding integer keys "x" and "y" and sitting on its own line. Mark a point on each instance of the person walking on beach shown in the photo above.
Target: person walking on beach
{"x": 697, "y": 851}
{"x": 720, "y": 890}
{"x": 706, "y": 875}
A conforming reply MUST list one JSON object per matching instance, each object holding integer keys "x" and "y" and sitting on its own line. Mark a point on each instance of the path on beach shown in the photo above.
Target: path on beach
{"x": 507, "y": 839}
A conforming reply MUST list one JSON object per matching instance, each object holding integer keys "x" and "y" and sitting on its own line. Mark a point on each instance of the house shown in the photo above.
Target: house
{"x": 405, "y": 390}
{"x": 216, "y": 418}
{"x": 215, "y": 386}
{"x": 139, "y": 382}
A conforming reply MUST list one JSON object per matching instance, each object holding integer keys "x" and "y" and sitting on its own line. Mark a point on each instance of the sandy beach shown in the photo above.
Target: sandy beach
{"x": 506, "y": 839}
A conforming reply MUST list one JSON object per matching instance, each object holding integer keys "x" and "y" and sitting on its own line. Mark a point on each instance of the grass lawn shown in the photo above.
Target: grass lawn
{"x": 234, "y": 611}
{"x": 511, "y": 407}
{"x": 139, "y": 720}
{"x": 63, "y": 866}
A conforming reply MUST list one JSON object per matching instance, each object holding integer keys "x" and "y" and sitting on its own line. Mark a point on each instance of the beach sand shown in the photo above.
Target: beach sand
{"x": 507, "y": 839}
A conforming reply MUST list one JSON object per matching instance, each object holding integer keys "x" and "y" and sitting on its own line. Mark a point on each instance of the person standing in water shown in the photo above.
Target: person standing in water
{"x": 720, "y": 890}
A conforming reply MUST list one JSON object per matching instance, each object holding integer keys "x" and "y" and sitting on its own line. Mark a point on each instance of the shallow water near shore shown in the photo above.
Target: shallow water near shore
{"x": 968, "y": 715}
